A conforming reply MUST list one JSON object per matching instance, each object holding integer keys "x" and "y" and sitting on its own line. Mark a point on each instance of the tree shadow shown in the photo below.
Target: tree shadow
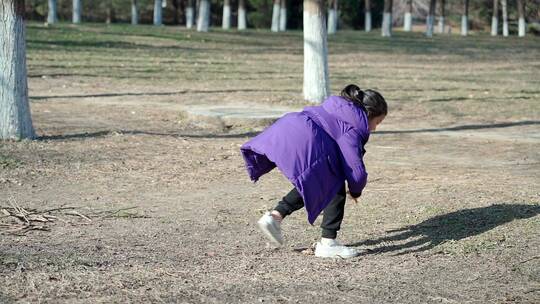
{"x": 105, "y": 133}
{"x": 451, "y": 226}
{"x": 464, "y": 127}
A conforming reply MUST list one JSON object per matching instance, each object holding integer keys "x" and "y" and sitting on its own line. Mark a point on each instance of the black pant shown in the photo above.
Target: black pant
{"x": 332, "y": 214}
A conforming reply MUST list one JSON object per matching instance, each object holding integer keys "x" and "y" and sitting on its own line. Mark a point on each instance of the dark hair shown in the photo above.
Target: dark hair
{"x": 369, "y": 100}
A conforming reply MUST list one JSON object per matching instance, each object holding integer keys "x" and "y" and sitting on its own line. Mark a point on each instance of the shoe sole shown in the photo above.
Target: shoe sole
{"x": 336, "y": 256}
{"x": 267, "y": 230}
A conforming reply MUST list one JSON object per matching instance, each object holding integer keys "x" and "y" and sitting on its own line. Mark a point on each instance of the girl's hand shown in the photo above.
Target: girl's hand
{"x": 355, "y": 199}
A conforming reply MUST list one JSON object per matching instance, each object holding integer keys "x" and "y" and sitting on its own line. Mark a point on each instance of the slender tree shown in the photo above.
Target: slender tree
{"x": 333, "y": 17}
{"x": 495, "y": 18}
{"x": 521, "y": 13}
{"x": 430, "y": 18}
{"x": 407, "y": 22}
{"x": 110, "y": 12}
{"x": 203, "y": 20}
{"x": 275, "y": 15}
{"x": 15, "y": 118}
{"x": 387, "y": 19}
{"x": 226, "y": 24}
{"x": 504, "y": 8}
{"x": 158, "y": 12}
{"x": 190, "y": 14}
{"x": 52, "y": 16}
{"x": 442, "y": 16}
{"x": 283, "y": 16}
{"x": 176, "y": 8}
{"x": 367, "y": 13}
{"x": 77, "y": 11}
{"x": 134, "y": 12}
{"x": 316, "y": 84}
{"x": 242, "y": 23}
{"x": 465, "y": 19}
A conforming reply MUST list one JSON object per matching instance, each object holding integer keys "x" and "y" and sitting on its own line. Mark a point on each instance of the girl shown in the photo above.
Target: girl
{"x": 317, "y": 150}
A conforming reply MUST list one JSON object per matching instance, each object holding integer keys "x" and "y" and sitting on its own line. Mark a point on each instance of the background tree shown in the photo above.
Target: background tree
{"x": 134, "y": 12}
{"x": 283, "y": 16}
{"x": 158, "y": 12}
{"x": 77, "y": 11}
{"x": 203, "y": 20}
{"x": 465, "y": 19}
{"x": 275, "y": 15}
{"x": 226, "y": 22}
{"x": 521, "y": 16}
{"x": 442, "y": 16}
{"x": 242, "y": 22}
{"x": 387, "y": 19}
{"x": 316, "y": 84}
{"x": 367, "y": 25}
{"x": 333, "y": 17}
{"x": 430, "y": 18}
{"x": 190, "y": 14}
{"x": 52, "y": 16}
{"x": 15, "y": 118}
{"x": 407, "y": 23}
{"x": 504, "y": 8}
{"x": 495, "y": 18}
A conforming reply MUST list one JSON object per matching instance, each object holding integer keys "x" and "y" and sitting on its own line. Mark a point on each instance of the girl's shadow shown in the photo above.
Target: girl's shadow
{"x": 451, "y": 226}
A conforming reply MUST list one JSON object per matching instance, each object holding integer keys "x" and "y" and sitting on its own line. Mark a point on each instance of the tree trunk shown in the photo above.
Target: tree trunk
{"x": 521, "y": 14}
{"x": 110, "y": 12}
{"x": 316, "y": 84}
{"x": 203, "y": 20}
{"x": 275, "y": 15}
{"x": 430, "y": 18}
{"x": 134, "y": 12}
{"x": 333, "y": 17}
{"x": 226, "y": 23}
{"x": 77, "y": 11}
{"x": 176, "y": 7}
{"x": 242, "y": 24}
{"x": 495, "y": 18}
{"x": 283, "y": 16}
{"x": 407, "y": 23}
{"x": 505, "y": 17}
{"x": 387, "y": 19}
{"x": 367, "y": 25}
{"x": 52, "y": 16}
{"x": 442, "y": 16}
{"x": 465, "y": 19}
{"x": 190, "y": 14}
{"x": 15, "y": 118}
{"x": 158, "y": 12}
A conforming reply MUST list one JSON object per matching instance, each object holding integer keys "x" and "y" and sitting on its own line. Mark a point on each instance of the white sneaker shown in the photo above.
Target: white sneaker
{"x": 271, "y": 228}
{"x": 334, "y": 250}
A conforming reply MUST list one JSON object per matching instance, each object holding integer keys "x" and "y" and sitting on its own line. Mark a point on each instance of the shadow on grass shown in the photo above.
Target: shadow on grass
{"x": 464, "y": 127}
{"x": 451, "y": 226}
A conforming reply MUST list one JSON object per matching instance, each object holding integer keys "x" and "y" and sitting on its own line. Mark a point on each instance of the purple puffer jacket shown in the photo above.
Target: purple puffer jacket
{"x": 316, "y": 149}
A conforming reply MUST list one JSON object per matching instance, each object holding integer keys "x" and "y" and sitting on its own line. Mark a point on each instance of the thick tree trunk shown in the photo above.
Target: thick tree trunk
{"x": 465, "y": 19}
{"x": 242, "y": 24}
{"x": 52, "y": 16}
{"x": 275, "y": 15}
{"x": 504, "y": 7}
{"x": 203, "y": 20}
{"x": 77, "y": 11}
{"x": 316, "y": 84}
{"x": 442, "y": 16}
{"x": 190, "y": 14}
{"x": 283, "y": 16}
{"x": 407, "y": 22}
{"x": 15, "y": 118}
{"x": 367, "y": 19}
{"x": 495, "y": 18}
{"x": 521, "y": 14}
{"x": 333, "y": 17}
{"x": 387, "y": 19}
{"x": 158, "y": 12}
{"x": 134, "y": 12}
{"x": 226, "y": 22}
{"x": 430, "y": 20}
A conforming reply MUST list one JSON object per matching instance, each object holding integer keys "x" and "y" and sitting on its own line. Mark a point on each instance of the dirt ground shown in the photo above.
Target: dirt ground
{"x": 450, "y": 213}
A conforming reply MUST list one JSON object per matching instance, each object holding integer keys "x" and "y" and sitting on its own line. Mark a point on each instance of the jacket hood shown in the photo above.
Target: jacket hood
{"x": 348, "y": 112}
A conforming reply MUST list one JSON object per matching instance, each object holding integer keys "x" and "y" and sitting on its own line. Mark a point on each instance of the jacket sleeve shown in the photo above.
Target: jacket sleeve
{"x": 353, "y": 164}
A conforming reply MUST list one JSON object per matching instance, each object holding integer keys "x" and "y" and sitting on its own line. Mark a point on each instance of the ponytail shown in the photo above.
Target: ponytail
{"x": 370, "y": 101}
